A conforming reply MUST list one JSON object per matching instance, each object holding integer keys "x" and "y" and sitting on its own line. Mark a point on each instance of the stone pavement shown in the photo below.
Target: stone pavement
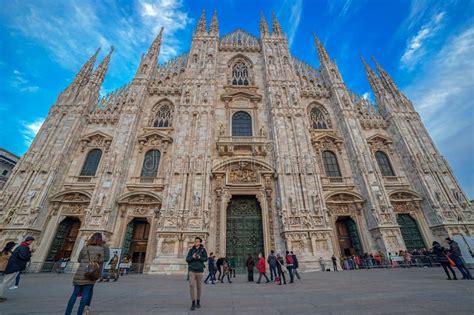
{"x": 408, "y": 291}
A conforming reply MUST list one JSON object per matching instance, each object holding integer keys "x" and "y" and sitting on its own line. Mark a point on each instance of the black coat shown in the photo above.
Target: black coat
{"x": 250, "y": 263}
{"x": 295, "y": 262}
{"x": 20, "y": 257}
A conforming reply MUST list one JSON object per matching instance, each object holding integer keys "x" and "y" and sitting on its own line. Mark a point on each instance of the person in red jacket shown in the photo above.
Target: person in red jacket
{"x": 262, "y": 268}
{"x": 289, "y": 266}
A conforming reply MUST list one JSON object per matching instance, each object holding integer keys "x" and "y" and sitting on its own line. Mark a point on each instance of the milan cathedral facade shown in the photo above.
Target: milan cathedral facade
{"x": 237, "y": 142}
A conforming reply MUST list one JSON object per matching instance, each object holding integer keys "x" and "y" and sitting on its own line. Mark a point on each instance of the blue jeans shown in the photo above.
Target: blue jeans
{"x": 17, "y": 279}
{"x": 87, "y": 291}
{"x": 273, "y": 271}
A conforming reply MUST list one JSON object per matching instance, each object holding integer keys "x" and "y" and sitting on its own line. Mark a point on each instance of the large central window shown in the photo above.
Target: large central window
{"x": 240, "y": 74}
{"x": 242, "y": 124}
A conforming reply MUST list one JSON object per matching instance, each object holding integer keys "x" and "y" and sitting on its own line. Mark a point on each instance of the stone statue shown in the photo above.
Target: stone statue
{"x": 29, "y": 197}
{"x": 221, "y": 130}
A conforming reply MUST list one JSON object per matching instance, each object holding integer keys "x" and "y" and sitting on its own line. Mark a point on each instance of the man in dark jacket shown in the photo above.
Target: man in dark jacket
{"x": 212, "y": 269}
{"x": 456, "y": 255}
{"x": 250, "y": 263}
{"x": 272, "y": 262}
{"x": 219, "y": 264}
{"x": 17, "y": 263}
{"x": 196, "y": 257}
{"x": 295, "y": 266}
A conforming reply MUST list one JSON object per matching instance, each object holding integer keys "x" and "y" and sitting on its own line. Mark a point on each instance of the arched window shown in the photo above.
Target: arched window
{"x": 240, "y": 74}
{"x": 151, "y": 163}
{"x": 163, "y": 116}
{"x": 330, "y": 164}
{"x": 92, "y": 162}
{"x": 319, "y": 118}
{"x": 242, "y": 124}
{"x": 384, "y": 164}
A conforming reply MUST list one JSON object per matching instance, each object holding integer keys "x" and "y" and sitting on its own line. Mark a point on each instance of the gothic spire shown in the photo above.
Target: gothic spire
{"x": 322, "y": 53}
{"x": 84, "y": 74}
{"x": 374, "y": 81}
{"x": 264, "y": 30}
{"x": 385, "y": 77}
{"x": 276, "y": 27}
{"x": 214, "y": 27}
{"x": 99, "y": 74}
{"x": 201, "y": 27}
{"x": 154, "y": 49}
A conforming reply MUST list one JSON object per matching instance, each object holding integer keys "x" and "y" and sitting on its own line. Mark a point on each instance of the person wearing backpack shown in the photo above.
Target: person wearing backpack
{"x": 16, "y": 264}
{"x": 91, "y": 258}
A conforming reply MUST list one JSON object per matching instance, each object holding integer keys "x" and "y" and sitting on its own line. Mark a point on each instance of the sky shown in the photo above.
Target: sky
{"x": 427, "y": 47}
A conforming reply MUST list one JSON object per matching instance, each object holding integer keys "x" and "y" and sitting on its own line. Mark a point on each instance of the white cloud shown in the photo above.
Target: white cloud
{"x": 295, "y": 17}
{"x": 72, "y": 31}
{"x": 20, "y": 82}
{"x": 415, "y": 49}
{"x": 30, "y": 129}
{"x": 366, "y": 95}
{"x": 444, "y": 90}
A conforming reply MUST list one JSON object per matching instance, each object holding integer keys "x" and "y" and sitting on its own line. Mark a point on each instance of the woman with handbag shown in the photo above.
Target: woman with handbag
{"x": 443, "y": 259}
{"x": 91, "y": 258}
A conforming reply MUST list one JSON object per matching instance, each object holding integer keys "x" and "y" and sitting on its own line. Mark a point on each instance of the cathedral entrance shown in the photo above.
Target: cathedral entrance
{"x": 410, "y": 232}
{"x": 136, "y": 242}
{"x": 244, "y": 229}
{"x": 63, "y": 242}
{"x": 348, "y": 237}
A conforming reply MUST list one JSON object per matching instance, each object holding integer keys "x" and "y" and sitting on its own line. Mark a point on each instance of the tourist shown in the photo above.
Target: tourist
{"x": 250, "y": 264}
{"x": 289, "y": 266}
{"x": 90, "y": 259}
{"x": 322, "y": 264}
{"x": 295, "y": 266}
{"x": 458, "y": 259}
{"x": 232, "y": 266}
{"x": 442, "y": 258}
{"x": 196, "y": 257}
{"x": 211, "y": 266}
{"x": 272, "y": 262}
{"x": 226, "y": 270}
{"x": 5, "y": 256}
{"x": 219, "y": 264}
{"x": 334, "y": 262}
{"x": 281, "y": 269}
{"x": 262, "y": 268}
{"x": 358, "y": 262}
{"x": 407, "y": 259}
{"x": 17, "y": 263}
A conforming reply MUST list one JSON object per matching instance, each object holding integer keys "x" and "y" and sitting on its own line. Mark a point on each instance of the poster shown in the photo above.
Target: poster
{"x": 112, "y": 252}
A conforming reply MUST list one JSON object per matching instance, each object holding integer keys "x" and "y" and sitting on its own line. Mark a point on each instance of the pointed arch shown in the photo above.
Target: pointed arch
{"x": 263, "y": 166}
{"x": 162, "y": 114}
{"x": 140, "y": 197}
{"x": 72, "y": 196}
{"x": 240, "y": 71}
{"x": 319, "y": 117}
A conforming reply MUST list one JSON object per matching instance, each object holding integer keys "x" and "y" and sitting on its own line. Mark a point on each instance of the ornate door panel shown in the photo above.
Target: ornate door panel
{"x": 348, "y": 237}
{"x": 244, "y": 228}
{"x": 410, "y": 232}
{"x": 63, "y": 242}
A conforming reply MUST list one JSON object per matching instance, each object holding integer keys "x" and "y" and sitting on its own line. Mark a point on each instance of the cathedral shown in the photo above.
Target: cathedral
{"x": 237, "y": 142}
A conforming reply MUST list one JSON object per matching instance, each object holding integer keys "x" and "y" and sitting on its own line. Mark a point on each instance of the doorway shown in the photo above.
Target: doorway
{"x": 244, "y": 229}
{"x": 136, "y": 242}
{"x": 348, "y": 237}
{"x": 63, "y": 242}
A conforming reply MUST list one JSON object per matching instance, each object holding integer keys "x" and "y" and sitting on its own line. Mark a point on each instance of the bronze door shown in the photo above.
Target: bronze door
{"x": 244, "y": 229}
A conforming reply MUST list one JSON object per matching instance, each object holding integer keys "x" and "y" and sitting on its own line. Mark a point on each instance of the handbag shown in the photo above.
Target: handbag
{"x": 92, "y": 269}
{"x": 451, "y": 262}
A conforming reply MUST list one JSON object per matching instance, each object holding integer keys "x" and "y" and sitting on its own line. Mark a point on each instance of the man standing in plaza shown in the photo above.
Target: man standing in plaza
{"x": 295, "y": 265}
{"x": 460, "y": 263}
{"x": 334, "y": 262}
{"x": 17, "y": 263}
{"x": 196, "y": 257}
{"x": 272, "y": 262}
{"x": 289, "y": 266}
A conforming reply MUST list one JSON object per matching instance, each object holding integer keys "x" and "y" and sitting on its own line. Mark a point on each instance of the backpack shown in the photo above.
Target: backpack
{"x": 92, "y": 271}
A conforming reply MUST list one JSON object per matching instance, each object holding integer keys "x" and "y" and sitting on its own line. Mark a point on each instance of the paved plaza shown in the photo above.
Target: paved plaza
{"x": 408, "y": 291}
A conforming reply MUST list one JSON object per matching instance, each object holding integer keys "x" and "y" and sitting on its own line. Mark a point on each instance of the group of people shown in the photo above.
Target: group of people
{"x": 224, "y": 266}
{"x": 279, "y": 267}
{"x": 93, "y": 255}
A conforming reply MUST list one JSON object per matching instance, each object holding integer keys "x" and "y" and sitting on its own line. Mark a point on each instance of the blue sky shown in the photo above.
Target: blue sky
{"x": 427, "y": 46}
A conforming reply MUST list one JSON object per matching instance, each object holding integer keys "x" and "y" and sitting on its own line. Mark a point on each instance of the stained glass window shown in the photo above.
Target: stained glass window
{"x": 151, "y": 163}
{"x": 92, "y": 162}
{"x": 330, "y": 164}
{"x": 384, "y": 164}
{"x": 241, "y": 124}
